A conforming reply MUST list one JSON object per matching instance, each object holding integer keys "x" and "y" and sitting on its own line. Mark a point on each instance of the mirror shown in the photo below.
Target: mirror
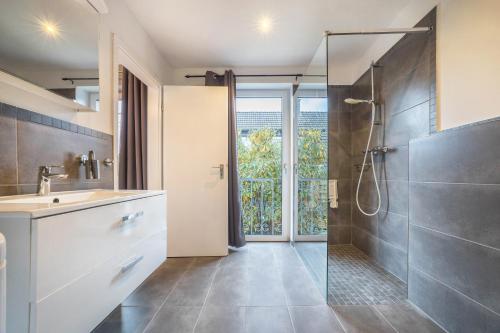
{"x": 54, "y": 45}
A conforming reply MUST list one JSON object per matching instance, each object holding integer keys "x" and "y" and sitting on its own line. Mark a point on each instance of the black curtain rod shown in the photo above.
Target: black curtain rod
{"x": 189, "y": 76}
{"x": 73, "y": 79}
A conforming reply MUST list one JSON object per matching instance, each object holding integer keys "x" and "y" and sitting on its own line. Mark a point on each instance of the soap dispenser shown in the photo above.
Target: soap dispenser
{"x": 92, "y": 167}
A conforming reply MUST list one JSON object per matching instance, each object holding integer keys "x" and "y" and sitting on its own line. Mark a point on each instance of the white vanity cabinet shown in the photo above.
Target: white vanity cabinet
{"x": 72, "y": 269}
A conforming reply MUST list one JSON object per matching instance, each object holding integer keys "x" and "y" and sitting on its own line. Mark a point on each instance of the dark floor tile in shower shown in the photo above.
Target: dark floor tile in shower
{"x": 406, "y": 319}
{"x": 362, "y": 319}
{"x": 353, "y": 279}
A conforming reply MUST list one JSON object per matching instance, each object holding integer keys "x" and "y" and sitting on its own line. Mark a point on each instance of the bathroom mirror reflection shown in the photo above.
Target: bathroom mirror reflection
{"x": 54, "y": 45}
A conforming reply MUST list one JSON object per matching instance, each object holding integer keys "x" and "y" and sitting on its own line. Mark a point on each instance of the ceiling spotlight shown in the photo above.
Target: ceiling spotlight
{"x": 265, "y": 25}
{"x": 49, "y": 28}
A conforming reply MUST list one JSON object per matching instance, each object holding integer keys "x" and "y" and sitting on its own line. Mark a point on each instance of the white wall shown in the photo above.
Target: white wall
{"x": 121, "y": 22}
{"x": 468, "y": 61}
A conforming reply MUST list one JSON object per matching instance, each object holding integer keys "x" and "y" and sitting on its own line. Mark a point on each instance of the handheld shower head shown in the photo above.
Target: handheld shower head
{"x": 354, "y": 101}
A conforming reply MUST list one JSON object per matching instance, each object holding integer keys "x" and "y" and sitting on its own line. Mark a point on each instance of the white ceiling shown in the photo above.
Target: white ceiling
{"x": 223, "y": 33}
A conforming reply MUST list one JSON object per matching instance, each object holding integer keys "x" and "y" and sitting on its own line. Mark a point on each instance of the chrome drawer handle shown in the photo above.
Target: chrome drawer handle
{"x": 131, "y": 263}
{"x": 131, "y": 217}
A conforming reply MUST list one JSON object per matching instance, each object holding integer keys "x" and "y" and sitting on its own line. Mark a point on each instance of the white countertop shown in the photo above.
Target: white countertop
{"x": 40, "y": 206}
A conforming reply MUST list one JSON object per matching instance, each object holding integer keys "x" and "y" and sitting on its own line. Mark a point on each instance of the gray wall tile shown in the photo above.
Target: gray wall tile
{"x": 65, "y": 147}
{"x": 394, "y": 165}
{"x": 392, "y": 259}
{"x": 340, "y": 215}
{"x": 29, "y": 140}
{"x": 394, "y": 194}
{"x": 366, "y": 223}
{"x": 8, "y": 190}
{"x": 404, "y": 126}
{"x": 408, "y": 90}
{"x": 339, "y": 234}
{"x": 465, "y": 210}
{"x": 452, "y": 310}
{"x": 8, "y": 145}
{"x": 472, "y": 269}
{"x": 465, "y": 155}
{"x": 393, "y": 228}
{"x": 365, "y": 241}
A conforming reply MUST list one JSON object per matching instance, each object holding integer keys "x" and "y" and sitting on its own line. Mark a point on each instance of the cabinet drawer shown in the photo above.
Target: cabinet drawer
{"x": 73, "y": 244}
{"x": 83, "y": 304}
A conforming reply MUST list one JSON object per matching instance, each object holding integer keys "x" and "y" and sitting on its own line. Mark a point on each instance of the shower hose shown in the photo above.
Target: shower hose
{"x": 373, "y": 169}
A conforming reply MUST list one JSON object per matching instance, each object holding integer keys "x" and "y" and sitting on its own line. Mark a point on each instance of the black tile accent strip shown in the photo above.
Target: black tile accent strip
{"x": 37, "y": 118}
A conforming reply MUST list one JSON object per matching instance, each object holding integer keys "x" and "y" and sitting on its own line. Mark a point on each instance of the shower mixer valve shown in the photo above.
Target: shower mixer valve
{"x": 378, "y": 150}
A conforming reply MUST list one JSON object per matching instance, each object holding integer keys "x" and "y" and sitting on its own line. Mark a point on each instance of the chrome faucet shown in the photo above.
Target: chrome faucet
{"x": 46, "y": 176}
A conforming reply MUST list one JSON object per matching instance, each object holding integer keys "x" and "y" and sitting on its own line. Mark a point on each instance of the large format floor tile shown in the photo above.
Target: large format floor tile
{"x": 362, "y": 319}
{"x": 174, "y": 319}
{"x": 262, "y": 288}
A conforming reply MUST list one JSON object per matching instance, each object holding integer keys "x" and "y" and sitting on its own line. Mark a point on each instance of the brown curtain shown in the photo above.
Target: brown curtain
{"x": 133, "y": 134}
{"x": 235, "y": 224}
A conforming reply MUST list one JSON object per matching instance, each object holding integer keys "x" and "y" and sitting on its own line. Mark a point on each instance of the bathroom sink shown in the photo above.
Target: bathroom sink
{"x": 66, "y": 198}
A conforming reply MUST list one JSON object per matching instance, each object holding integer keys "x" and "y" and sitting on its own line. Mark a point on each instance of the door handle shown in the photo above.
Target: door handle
{"x": 221, "y": 170}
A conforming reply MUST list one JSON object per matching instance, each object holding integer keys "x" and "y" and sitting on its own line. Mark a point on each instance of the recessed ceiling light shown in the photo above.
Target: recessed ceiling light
{"x": 50, "y": 28}
{"x": 265, "y": 24}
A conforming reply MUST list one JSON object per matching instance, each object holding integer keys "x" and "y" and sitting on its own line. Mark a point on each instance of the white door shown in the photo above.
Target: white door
{"x": 195, "y": 165}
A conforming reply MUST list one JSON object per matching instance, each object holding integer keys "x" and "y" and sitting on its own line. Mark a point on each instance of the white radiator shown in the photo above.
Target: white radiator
{"x": 3, "y": 291}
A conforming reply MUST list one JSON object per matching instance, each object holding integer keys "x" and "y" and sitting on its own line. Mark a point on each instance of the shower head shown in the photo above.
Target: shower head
{"x": 357, "y": 101}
